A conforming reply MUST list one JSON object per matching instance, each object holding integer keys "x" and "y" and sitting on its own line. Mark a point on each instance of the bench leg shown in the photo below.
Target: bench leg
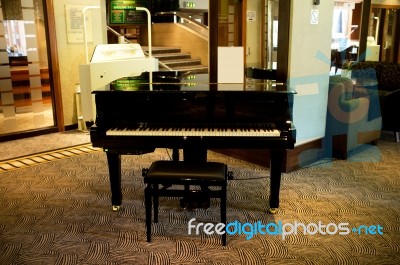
{"x": 155, "y": 202}
{"x": 147, "y": 202}
{"x": 223, "y": 211}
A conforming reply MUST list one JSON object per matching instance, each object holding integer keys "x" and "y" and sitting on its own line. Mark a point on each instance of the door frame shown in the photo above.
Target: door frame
{"x": 396, "y": 42}
{"x": 283, "y": 39}
{"x": 54, "y": 64}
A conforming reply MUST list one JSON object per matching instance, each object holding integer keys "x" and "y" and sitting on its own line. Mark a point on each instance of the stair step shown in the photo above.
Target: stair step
{"x": 183, "y": 62}
{"x": 171, "y": 56}
{"x": 176, "y": 60}
{"x": 197, "y": 68}
{"x": 160, "y": 50}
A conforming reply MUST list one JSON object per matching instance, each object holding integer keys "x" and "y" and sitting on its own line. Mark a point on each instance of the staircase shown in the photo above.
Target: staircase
{"x": 174, "y": 59}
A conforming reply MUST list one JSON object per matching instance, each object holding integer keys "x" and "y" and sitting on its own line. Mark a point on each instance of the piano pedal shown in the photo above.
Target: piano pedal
{"x": 184, "y": 203}
{"x": 116, "y": 208}
{"x": 205, "y": 202}
{"x": 195, "y": 200}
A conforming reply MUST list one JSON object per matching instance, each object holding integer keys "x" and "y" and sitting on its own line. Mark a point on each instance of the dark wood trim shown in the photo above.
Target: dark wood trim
{"x": 27, "y": 134}
{"x": 302, "y": 155}
{"x": 396, "y": 52}
{"x": 283, "y": 40}
{"x": 54, "y": 64}
{"x": 293, "y": 158}
{"x": 365, "y": 13}
{"x": 382, "y": 33}
{"x": 356, "y": 20}
{"x": 71, "y": 127}
{"x": 385, "y": 6}
{"x": 213, "y": 41}
{"x": 33, "y": 133}
{"x": 263, "y": 49}
{"x": 244, "y": 29}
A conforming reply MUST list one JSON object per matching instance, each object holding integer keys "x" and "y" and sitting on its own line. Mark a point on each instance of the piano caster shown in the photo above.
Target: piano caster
{"x": 273, "y": 210}
{"x": 116, "y": 208}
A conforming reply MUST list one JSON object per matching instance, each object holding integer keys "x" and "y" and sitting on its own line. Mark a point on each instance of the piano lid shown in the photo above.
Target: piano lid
{"x": 190, "y": 81}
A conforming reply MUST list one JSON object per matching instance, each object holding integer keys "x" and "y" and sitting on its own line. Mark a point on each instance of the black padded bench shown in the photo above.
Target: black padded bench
{"x": 186, "y": 174}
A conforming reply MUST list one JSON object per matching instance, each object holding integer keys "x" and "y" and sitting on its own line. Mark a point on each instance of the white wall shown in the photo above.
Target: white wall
{"x": 71, "y": 55}
{"x": 309, "y": 62}
{"x": 254, "y": 34}
{"x": 309, "y": 65}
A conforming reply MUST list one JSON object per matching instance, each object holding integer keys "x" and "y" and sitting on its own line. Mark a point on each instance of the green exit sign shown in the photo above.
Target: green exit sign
{"x": 123, "y": 12}
{"x": 190, "y": 4}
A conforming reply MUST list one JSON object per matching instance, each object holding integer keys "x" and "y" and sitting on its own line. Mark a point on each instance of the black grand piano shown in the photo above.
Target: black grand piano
{"x": 182, "y": 111}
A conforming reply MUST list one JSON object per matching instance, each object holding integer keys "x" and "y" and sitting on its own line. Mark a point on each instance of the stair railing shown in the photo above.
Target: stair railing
{"x": 122, "y": 40}
{"x": 186, "y": 20}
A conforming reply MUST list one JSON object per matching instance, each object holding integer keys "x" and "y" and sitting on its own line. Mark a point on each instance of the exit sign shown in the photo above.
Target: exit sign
{"x": 190, "y": 4}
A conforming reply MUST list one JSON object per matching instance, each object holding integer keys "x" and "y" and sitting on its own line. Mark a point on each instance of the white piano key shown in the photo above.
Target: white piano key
{"x": 188, "y": 132}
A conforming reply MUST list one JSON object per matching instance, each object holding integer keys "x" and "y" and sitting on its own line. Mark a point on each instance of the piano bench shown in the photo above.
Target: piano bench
{"x": 168, "y": 173}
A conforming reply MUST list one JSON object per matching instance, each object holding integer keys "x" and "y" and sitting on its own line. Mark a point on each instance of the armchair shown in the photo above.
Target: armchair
{"x": 391, "y": 113}
{"x": 388, "y": 83}
{"x": 349, "y": 124}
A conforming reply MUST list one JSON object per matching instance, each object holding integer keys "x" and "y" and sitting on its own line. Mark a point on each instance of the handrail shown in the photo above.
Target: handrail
{"x": 113, "y": 31}
{"x": 122, "y": 39}
{"x": 183, "y": 16}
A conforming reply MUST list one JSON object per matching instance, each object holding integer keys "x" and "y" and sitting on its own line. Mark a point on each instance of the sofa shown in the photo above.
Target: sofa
{"x": 388, "y": 91}
{"x": 352, "y": 120}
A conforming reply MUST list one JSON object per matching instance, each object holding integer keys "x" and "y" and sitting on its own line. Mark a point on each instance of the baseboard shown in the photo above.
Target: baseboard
{"x": 27, "y": 134}
{"x": 296, "y": 158}
{"x": 36, "y": 132}
{"x": 71, "y": 127}
{"x": 303, "y": 155}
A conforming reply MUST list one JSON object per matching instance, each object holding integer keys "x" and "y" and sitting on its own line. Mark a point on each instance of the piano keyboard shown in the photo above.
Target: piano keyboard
{"x": 187, "y": 132}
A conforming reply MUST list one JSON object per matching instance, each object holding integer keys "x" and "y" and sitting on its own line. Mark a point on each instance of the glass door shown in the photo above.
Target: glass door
{"x": 385, "y": 24}
{"x": 390, "y": 34}
{"x": 270, "y": 34}
{"x": 26, "y": 102}
{"x": 231, "y": 59}
{"x": 230, "y": 23}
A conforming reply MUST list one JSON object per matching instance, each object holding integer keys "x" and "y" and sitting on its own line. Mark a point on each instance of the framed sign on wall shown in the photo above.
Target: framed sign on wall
{"x": 123, "y": 12}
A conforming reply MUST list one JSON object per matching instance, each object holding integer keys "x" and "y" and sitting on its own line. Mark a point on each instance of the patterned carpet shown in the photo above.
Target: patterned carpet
{"x": 42, "y": 143}
{"x": 59, "y": 212}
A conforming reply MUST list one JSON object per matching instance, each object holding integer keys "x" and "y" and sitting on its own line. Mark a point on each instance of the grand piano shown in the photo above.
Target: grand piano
{"x": 182, "y": 111}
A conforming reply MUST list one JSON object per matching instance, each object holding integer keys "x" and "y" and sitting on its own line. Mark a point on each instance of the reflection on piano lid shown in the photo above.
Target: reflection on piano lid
{"x": 188, "y": 81}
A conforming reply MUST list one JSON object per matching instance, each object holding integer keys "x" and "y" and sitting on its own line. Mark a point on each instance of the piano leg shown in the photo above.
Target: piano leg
{"x": 114, "y": 167}
{"x": 276, "y": 171}
{"x": 175, "y": 154}
{"x": 194, "y": 152}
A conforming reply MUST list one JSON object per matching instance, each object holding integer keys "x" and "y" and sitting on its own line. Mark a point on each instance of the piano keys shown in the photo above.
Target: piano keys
{"x": 230, "y": 130}
{"x": 174, "y": 111}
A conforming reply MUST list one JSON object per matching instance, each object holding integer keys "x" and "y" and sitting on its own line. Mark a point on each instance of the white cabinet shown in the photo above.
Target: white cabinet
{"x": 372, "y": 53}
